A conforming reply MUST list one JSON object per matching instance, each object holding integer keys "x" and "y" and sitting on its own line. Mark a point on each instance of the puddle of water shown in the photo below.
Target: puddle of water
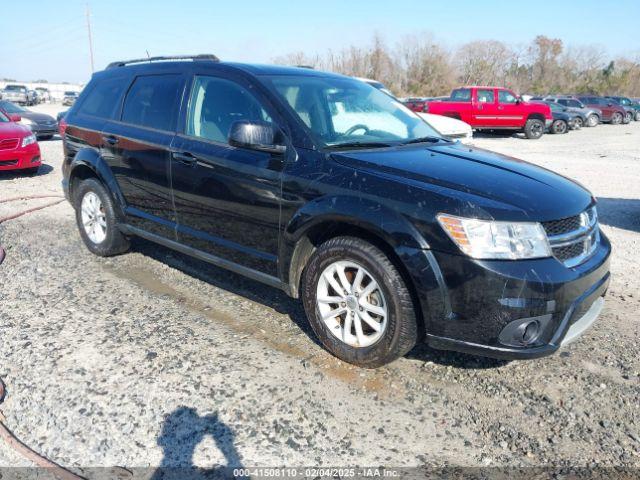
{"x": 370, "y": 380}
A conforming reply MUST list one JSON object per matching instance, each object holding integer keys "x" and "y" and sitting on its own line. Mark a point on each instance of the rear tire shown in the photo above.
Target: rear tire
{"x": 534, "y": 129}
{"x": 636, "y": 116}
{"x": 374, "y": 320}
{"x": 97, "y": 220}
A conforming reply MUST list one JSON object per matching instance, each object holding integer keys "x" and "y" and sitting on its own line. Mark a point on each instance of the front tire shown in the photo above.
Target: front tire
{"x": 627, "y": 118}
{"x": 593, "y": 120}
{"x": 358, "y": 304}
{"x": 534, "y": 129}
{"x": 578, "y": 123}
{"x": 97, "y": 220}
{"x": 559, "y": 127}
{"x": 616, "y": 118}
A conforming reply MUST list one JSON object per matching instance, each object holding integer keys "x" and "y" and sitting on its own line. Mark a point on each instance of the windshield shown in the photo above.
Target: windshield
{"x": 70, "y": 94}
{"x": 10, "y": 107}
{"x": 341, "y": 111}
{"x": 15, "y": 88}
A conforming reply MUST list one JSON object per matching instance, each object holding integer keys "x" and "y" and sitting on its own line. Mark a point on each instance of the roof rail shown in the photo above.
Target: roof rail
{"x": 204, "y": 56}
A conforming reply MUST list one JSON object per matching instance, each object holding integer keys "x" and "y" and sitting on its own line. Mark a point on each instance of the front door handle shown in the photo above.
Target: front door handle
{"x": 186, "y": 158}
{"x": 110, "y": 139}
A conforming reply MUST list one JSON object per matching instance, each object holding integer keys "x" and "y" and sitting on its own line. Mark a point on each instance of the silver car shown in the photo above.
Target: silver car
{"x": 593, "y": 115}
{"x": 17, "y": 94}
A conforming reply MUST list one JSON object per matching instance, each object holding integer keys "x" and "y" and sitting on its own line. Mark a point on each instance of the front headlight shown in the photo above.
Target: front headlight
{"x": 28, "y": 140}
{"x": 491, "y": 240}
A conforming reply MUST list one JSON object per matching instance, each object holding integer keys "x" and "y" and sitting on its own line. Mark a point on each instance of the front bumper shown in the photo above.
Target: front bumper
{"x": 20, "y": 158}
{"x": 478, "y": 299}
{"x": 44, "y": 130}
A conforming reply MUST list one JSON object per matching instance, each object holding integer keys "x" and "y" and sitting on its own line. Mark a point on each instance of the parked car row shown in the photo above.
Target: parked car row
{"x": 42, "y": 125}
{"x": 22, "y": 95}
{"x": 487, "y": 108}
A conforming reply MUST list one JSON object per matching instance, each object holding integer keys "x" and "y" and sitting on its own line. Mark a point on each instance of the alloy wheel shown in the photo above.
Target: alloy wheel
{"x": 352, "y": 304}
{"x": 94, "y": 220}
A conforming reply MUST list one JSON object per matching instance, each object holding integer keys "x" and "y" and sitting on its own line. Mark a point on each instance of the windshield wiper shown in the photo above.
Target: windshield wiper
{"x": 359, "y": 145}
{"x": 426, "y": 140}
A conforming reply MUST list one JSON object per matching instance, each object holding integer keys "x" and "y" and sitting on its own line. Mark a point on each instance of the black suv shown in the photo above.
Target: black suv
{"x": 329, "y": 189}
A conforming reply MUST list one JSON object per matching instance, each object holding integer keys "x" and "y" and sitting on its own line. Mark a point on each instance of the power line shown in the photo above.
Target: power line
{"x": 90, "y": 40}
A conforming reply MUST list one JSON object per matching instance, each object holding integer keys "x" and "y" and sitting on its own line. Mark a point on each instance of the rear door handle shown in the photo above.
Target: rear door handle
{"x": 110, "y": 139}
{"x": 185, "y": 158}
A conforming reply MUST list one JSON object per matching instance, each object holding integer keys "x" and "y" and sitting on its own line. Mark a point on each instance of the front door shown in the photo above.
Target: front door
{"x": 227, "y": 199}
{"x": 509, "y": 112}
{"x": 485, "y": 109}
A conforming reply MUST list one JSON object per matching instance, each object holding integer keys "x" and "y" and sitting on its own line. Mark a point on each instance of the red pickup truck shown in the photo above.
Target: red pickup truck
{"x": 494, "y": 108}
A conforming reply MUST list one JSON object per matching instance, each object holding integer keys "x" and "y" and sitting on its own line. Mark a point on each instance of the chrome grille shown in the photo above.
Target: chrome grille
{"x": 574, "y": 239}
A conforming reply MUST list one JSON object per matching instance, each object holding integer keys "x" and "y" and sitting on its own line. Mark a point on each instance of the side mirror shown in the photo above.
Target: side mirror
{"x": 15, "y": 118}
{"x": 259, "y": 136}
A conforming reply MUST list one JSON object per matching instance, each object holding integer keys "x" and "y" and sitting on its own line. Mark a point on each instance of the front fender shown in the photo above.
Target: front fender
{"x": 364, "y": 213}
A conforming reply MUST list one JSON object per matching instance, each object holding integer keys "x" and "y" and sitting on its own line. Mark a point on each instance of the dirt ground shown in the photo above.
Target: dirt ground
{"x": 155, "y": 359}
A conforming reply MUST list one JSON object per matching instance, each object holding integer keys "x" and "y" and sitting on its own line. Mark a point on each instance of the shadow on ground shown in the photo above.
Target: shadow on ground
{"x": 620, "y": 213}
{"x": 283, "y": 304}
{"x": 13, "y": 174}
{"x": 182, "y": 432}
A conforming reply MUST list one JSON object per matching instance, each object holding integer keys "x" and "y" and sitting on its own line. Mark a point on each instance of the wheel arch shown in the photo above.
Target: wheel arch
{"x": 536, "y": 116}
{"x": 87, "y": 163}
{"x": 398, "y": 235}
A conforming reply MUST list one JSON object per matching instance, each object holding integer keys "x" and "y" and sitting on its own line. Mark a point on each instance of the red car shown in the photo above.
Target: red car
{"x": 19, "y": 149}
{"x": 494, "y": 108}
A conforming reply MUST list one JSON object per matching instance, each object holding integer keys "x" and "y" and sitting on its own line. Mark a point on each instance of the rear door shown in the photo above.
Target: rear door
{"x": 138, "y": 145}
{"x": 227, "y": 198}
{"x": 485, "y": 108}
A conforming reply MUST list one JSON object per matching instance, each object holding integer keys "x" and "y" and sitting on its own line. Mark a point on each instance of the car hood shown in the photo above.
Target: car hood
{"x": 446, "y": 125}
{"x": 37, "y": 117}
{"x": 13, "y": 130}
{"x": 515, "y": 190}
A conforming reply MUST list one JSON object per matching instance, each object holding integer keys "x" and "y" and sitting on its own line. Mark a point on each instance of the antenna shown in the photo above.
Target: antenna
{"x": 148, "y": 56}
{"x": 90, "y": 39}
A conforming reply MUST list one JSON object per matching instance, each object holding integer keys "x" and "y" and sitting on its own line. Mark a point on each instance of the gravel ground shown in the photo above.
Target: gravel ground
{"x": 155, "y": 359}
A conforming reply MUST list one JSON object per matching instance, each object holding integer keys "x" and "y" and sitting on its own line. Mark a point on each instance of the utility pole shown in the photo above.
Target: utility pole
{"x": 90, "y": 40}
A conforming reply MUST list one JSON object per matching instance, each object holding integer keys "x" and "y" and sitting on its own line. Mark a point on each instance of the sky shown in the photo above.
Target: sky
{"x": 51, "y": 42}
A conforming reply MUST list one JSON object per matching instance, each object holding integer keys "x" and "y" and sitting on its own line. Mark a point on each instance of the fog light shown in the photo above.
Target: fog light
{"x": 524, "y": 332}
{"x": 530, "y": 332}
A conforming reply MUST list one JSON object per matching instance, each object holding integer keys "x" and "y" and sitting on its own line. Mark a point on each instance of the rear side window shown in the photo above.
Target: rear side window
{"x": 103, "y": 99}
{"x": 152, "y": 101}
{"x": 461, "y": 95}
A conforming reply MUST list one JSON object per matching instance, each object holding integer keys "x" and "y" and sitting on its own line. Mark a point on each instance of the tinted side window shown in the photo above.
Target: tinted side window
{"x": 505, "y": 96}
{"x": 152, "y": 101}
{"x": 461, "y": 95}
{"x": 104, "y": 97}
{"x": 485, "y": 96}
{"x": 216, "y": 104}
